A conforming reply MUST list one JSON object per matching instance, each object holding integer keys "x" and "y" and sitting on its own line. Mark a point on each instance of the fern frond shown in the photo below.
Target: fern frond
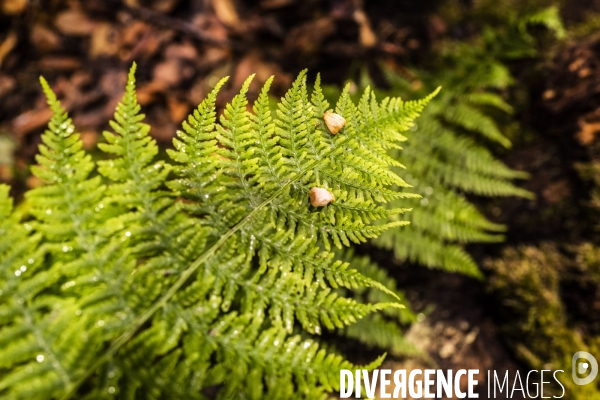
{"x": 549, "y": 18}
{"x": 40, "y": 346}
{"x": 376, "y": 331}
{"x": 382, "y": 330}
{"x": 474, "y": 120}
{"x": 195, "y": 275}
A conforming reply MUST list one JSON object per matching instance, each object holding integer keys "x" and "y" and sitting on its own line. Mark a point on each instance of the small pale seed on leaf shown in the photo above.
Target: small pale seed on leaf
{"x": 334, "y": 122}
{"x": 320, "y": 197}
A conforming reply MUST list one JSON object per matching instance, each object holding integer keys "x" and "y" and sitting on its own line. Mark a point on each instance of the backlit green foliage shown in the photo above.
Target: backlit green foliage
{"x": 156, "y": 279}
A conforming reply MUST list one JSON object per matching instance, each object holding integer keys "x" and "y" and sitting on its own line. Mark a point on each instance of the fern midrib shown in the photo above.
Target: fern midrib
{"x": 128, "y": 334}
{"x": 41, "y": 341}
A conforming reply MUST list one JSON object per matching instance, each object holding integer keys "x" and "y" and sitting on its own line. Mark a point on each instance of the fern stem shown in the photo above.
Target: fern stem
{"x": 39, "y": 337}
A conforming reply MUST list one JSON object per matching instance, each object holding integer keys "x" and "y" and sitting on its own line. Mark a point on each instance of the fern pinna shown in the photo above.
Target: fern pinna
{"x": 182, "y": 280}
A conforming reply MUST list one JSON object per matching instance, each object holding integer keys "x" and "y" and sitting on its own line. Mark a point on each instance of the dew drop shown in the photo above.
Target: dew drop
{"x": 40, "y": 358}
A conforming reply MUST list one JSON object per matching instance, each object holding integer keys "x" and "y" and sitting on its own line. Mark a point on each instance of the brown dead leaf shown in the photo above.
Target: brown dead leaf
{"x": 213, "y": 55}
{"x": 254, "y": 64}
{"x": 74, "y": 22}
{"x": 146, "y": 93}
{"x": 7, "y": 84}
{"x": 105, "y": 41}
{"x": 165, "y": 6}
{"x": 549, "y": 94}
{"x": 184, "y": 51}
{"x": 7, "y": 45}
{"x": 178, "y": 109}
{"x": 211, "y": 25}
{"x": 44, "y": 39}
{"x": 225, "y": 11}
{"x": 89, "y": 139}
{"x": 61, "y": 63}
{"x": 133, "y": 32}
{"x": 197, "y": 92}
{"x": 307, "y": 38}
{"x": 30, "y": 120}
{"x": 575, "y": 65}
{"x": 13, "y": 7}
{"x": 6, "y": 173}
{"x": 33, "y": 181}
{"x": 367, "y": 37}
{"x": 587, "y": 131}
{"x": 168, "y": 72}
{"x": 148, "y": 42}
{"x": 113, "y": 82}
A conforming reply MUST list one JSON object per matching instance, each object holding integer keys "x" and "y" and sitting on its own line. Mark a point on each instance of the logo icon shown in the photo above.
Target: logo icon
{"x": 581, "y": 367}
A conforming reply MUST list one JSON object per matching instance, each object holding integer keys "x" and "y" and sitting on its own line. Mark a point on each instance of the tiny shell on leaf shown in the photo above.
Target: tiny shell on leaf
{"x": 320, "y": 197}
{"x": 334, "y": 122}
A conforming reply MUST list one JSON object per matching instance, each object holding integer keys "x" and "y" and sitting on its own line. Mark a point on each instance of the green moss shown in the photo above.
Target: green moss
{"x": 527, "y": 283}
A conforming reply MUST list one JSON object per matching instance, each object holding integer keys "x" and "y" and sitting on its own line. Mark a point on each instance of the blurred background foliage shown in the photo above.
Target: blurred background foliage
{"x": 506, "y": 158}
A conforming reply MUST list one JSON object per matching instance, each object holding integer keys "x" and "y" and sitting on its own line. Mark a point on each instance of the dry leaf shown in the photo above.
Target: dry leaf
{"x": 30, "y": 120}
{"x": 253, "y": 63}
{"x": 74, "y": 23}
{"x": 168, "y": 72}
{"x": 7, "y": 45}
{"x": 214, "y": 55}
{"x": 61, "y": 63}
{"x": 225, "y": 11}
{"x": 367, "y": 37}
{"x": 44, "y": 39}
{"x": 178, "y": 109}
{"x": 184, "y": 51}
{"x": 89, "y": 139}
{"x": 13, "y": 7}
{"x": 165, "y": 6}
{"x": 134, "y": 32}
{"x": 6, "y": 174}
{"x": 587, "y": 132}
{"x": 307, "y": 38}
{"x": 33, "y": 182}
{"x": 145, "y": 93}
{"x": 7, "y": 84}
{"x": 197, "y": 92}
{"x": 105, "y": 41}
{"x": 211, "y": 25}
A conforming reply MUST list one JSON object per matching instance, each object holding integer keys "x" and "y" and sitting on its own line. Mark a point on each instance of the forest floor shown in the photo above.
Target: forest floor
{"x": 182, "y": 47}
